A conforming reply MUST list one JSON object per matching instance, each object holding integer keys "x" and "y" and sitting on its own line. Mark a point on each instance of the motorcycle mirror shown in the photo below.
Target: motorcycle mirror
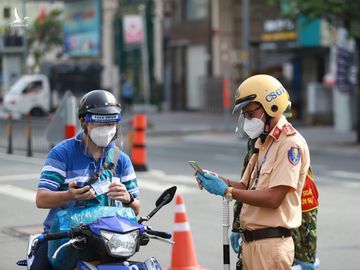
{"x": 164, "y": 199}
{"x": 166, "y": 196}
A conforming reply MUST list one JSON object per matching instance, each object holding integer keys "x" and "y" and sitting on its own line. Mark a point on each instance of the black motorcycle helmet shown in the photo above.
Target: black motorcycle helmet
{"x": 98, "y": 102}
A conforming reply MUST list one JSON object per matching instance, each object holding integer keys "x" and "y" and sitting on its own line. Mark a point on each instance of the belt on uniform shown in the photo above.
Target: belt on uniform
{"x": 258, "y": 234}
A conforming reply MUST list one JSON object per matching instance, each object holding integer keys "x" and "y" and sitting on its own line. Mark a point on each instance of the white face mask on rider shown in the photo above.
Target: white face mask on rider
{"x": 102, "y": 136}
{"x": 254, "y": 127}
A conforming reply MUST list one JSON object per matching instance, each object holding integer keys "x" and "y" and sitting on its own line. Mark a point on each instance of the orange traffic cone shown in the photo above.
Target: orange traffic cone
{"x": 183, "y": 255}
{"x": 138, "y": 150}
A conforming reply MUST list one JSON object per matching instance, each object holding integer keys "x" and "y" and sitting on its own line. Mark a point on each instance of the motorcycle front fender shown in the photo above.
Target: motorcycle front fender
{"x": 149, "y": 264}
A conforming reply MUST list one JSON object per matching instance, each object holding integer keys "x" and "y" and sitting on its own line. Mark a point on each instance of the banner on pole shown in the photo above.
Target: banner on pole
{"x": 133, "y": 29}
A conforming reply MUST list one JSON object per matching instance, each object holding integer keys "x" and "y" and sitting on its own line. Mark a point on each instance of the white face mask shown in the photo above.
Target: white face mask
{"x": 254, "y": 127}
{"x": 102, "y": 136}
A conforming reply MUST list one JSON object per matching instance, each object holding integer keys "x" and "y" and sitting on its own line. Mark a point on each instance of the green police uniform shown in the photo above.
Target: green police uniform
{"x": 305, "y": 236}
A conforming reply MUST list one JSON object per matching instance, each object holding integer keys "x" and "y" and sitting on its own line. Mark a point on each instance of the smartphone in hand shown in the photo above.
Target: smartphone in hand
{"x": 81, "y": 184}
{"x": 197, "y": 168}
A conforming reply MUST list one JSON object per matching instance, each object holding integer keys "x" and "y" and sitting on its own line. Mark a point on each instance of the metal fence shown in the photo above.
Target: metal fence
{"x": 28, "y": 136}
{"x": 211, "y": 90}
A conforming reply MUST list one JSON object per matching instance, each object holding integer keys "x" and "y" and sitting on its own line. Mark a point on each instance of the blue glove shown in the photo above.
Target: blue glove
{"x": 305, "y": 265}
{"x": 212, "y": 183}
{"x": 234, "y": 241}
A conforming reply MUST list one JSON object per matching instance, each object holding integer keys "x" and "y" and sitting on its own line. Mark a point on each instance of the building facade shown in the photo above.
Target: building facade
{"x": 207, "y": 41}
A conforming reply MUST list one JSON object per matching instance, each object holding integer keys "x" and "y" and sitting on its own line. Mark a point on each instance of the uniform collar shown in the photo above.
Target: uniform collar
{"x": 274, "y": 133}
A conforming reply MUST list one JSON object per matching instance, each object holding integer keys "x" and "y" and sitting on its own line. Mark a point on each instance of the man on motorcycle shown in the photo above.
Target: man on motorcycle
{"x": 73, "y": 164}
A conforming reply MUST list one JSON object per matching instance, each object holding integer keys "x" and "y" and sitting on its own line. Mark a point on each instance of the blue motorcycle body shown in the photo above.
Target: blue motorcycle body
{"x": 108, "y": 240}
{"x": 149, "y": 264}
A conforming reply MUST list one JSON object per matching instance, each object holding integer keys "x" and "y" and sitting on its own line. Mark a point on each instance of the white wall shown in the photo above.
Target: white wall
{"x": 196, "y": 59}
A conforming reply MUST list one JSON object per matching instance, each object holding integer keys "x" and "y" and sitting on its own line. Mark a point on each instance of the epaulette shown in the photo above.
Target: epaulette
{"x": 276, "y": 133}
{"x": 288, "y": 129}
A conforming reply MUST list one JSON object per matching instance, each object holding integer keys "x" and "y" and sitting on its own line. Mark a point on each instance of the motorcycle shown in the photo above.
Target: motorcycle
{"x": 114, "y": 239}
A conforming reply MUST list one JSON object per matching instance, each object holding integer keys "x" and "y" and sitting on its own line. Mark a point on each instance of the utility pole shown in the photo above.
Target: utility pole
{"x": 145, "y": 58}
{"x": 25, "y": 68}
{"x": 158, "y": 41}
{"x": 215, "y": 36}
{"x": 109, "y": 8}
{"x": 245, "y": 38}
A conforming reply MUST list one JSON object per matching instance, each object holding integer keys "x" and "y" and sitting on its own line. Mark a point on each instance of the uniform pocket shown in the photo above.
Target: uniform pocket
{"x": 264, "y": 179}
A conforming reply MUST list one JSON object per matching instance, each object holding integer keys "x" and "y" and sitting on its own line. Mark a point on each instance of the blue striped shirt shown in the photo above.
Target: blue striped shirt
{"x": 68, "y": 161}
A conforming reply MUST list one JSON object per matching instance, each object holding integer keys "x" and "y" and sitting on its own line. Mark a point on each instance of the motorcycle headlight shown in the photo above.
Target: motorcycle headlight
{"x": 123, "y": 245}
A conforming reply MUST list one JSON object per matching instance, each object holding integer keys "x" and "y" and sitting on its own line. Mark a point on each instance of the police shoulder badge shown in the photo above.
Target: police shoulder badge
{"x": 294, "y": 155}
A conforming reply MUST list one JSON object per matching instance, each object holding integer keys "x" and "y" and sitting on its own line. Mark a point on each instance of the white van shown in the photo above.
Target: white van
{"x": 28, "y": 95}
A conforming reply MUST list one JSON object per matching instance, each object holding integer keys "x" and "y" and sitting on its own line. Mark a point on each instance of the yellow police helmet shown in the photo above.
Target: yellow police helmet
{"x": 266, "y": 90}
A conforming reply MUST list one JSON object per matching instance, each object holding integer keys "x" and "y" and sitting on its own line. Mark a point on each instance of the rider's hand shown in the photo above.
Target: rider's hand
{"x": 212, "y": 183}
{"x": 81, "y": 194}
{"x": 118, "y": 191}
{"x": 234, "y": 240}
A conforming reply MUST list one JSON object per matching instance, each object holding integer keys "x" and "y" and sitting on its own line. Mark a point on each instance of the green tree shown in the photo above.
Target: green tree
{"x": 344, "y": 13}
{"x": 45, "y": 34}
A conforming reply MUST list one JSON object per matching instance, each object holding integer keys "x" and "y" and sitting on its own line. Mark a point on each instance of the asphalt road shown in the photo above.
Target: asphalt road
{"x": 338, "y": 178}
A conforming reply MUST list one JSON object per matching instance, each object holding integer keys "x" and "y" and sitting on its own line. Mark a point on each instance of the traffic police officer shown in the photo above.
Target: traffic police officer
{"x": 305, "y": 236}
{"x": 271, "y": 186}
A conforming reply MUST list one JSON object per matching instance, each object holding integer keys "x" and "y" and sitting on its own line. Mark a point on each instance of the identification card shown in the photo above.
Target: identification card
{"x": 101, "y": 187}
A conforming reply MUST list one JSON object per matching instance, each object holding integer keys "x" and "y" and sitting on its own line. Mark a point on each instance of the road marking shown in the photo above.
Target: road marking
{"x": 154, "y": 181}
{"x": 156, "y": 186}
{"x": 344, "y": 174}
{"x": 19, "y": 177}
{"x": 17, "y": 158}
{"x": 162, "y": 176}
{"x": 157, "y": 180}
{"x": 19, "y": 193}
{"x": 324, "y": 179}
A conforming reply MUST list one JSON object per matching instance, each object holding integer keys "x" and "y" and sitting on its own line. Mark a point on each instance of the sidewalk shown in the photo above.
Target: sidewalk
{"x": 221, "y": 128}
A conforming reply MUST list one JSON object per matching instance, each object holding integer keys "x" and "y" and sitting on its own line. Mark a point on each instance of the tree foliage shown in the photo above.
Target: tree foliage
{"x": 45, "y": 34}
{"x": 344, "y": 13}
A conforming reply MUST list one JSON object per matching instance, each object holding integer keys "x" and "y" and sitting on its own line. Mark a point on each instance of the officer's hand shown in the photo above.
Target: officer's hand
{"x": 81, "y": 194}
{"x": 118, "y": 191}
{"x": 212, "y": 183}
{"x": 205, "y": 171}
{"x": 234, "y": 240}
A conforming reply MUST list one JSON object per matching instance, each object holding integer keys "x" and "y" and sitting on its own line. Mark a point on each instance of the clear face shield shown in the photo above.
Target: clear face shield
{"x": 239, "y": 129}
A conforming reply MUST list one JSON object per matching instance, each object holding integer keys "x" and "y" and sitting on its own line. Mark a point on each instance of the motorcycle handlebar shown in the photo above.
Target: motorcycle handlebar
{"x": 54, "y": 236}
{"x": 61, "y": 235}
{"x": 164, "y": 235}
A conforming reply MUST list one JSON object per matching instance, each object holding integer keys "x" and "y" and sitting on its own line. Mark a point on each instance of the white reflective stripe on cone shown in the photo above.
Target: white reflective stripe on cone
{"x": 182, "y": 227}
{"x": 180, "y": 208}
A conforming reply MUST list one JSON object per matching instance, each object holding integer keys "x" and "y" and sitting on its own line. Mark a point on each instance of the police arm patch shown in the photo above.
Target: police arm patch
{"x": 294, "y": 155}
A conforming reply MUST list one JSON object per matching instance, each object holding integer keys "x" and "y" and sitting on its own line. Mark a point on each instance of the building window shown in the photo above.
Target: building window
{"x": 197, "y": 9}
